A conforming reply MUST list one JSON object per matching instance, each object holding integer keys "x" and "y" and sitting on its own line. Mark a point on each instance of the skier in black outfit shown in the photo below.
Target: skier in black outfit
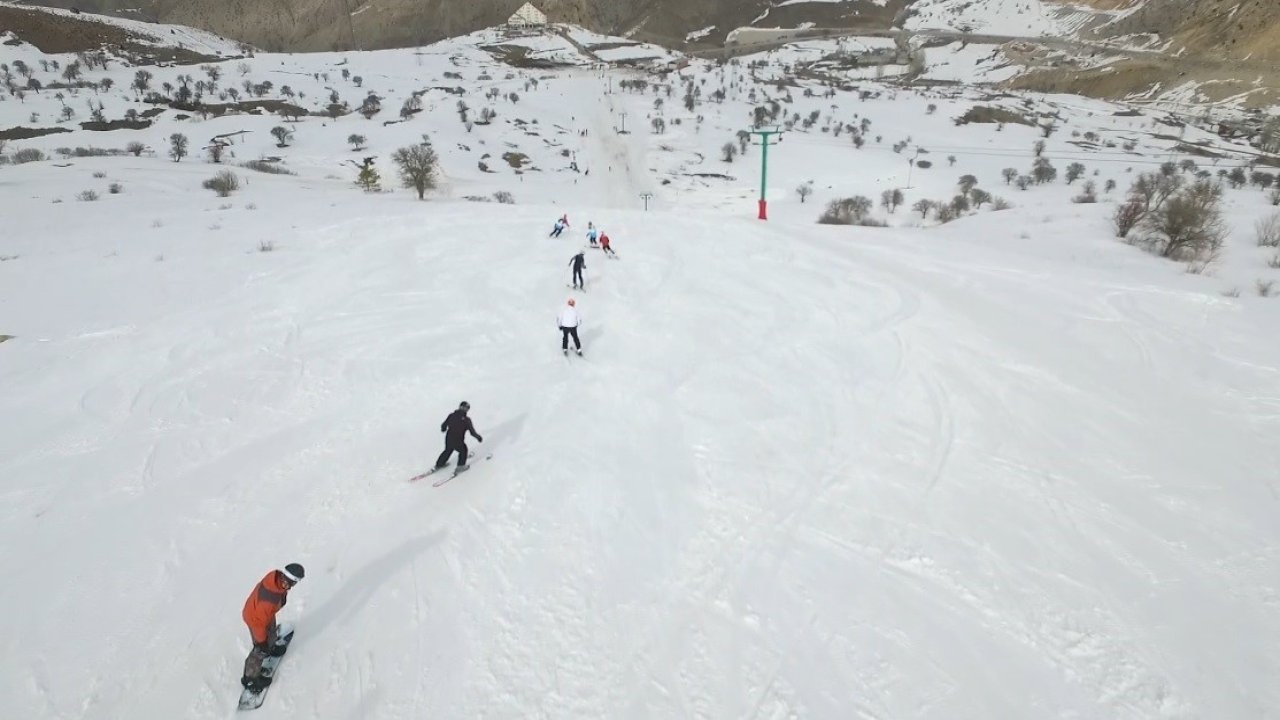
{"x": 578, "y": 263}
{"x": 455, "y": 429}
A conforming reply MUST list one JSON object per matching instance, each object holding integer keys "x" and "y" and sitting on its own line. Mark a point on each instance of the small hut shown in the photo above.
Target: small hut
{"x": 527, "y": 17}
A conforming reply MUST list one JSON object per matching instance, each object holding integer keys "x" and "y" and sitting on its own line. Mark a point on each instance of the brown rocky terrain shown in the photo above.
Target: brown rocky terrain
{"x": 1229, "y": 49}
{"x": 308, "y": 25}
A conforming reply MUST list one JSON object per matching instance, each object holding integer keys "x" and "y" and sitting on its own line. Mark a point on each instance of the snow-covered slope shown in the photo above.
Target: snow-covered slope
{"x": 1007, "y": 467}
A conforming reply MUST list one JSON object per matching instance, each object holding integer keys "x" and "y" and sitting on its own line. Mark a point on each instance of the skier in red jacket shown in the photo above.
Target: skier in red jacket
{"x": 259, "y": 613}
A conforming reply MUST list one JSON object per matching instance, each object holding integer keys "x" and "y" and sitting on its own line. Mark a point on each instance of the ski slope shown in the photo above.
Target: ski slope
{"x": 801, "y": 472}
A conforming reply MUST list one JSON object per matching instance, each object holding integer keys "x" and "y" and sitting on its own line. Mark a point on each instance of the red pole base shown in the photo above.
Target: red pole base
{"x": 764, "y": 209}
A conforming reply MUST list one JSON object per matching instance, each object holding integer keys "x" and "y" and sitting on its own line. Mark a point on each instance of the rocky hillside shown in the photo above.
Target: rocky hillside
{"x": 1214, "y": 29}
{"x": 302, "y": 25}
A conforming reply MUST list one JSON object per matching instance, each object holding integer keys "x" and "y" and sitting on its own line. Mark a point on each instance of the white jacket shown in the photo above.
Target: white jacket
{"x": 568, "y": 317}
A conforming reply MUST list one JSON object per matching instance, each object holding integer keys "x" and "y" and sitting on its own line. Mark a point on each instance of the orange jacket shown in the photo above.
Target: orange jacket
{"x": 264, "y": 602}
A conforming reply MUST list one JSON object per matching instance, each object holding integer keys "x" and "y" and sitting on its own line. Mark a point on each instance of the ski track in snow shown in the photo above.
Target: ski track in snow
{"x": 819, "y": 463}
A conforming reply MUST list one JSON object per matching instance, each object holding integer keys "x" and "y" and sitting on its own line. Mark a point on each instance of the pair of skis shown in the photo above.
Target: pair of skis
{"x": 456, "y": 471}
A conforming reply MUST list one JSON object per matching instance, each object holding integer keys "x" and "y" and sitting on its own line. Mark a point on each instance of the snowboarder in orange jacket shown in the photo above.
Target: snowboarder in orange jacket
{"x": 260, "y": 609}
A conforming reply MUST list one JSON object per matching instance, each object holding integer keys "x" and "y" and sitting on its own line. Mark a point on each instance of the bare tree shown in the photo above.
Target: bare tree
{"x": 804, "y": 190}
{"x": 282, "y": 135}
{"x": 178, "y": 145}
{"x": 891, "y": 199}
{"x": 418, "y": 165}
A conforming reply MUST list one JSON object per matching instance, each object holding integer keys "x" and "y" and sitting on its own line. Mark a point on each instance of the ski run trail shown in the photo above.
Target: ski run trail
{"x": 801, "y": 471}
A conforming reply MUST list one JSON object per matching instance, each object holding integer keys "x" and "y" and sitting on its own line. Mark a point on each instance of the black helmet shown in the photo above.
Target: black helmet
{"x": 293, "y": 572}
{"x": 465, "y": 405}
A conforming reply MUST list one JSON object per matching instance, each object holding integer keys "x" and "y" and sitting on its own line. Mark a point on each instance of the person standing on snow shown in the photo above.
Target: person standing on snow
{"x": 268, "y": 596}
{"x": 604, "y": 245}
{"x": 455, "y": 429}
{"x": 568, "y": 320}
{"x": 592, "y": 233}
{"x": 578, "y": 263}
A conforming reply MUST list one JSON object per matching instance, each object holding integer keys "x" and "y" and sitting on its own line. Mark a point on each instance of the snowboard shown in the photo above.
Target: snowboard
{"x": 253, "y": 701}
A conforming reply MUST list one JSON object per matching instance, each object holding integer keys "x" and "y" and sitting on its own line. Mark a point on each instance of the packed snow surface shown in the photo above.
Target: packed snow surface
{"x": 1009, "y": 467}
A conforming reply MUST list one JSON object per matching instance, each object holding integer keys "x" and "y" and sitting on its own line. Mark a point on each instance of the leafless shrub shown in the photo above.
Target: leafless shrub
{"x": 115, "y": 188}
{"x": 1188, "y": 225}
{"x": 1232, "y": 293}
{"x": 99, "y": 175}
{"x": 1088, "y": 194}
{"x": 945, "y": 212}
{"x": 504, "y": 198}
{"x": 1268, "y": 230}
{"x": 26, "y": 155}
{"x": 1000, "y": 203}
{"x": 266, "y": 246}
{"x": 1265, "y": 288}
{"x": 87, "y": 196}
{"x": 224, "y": 183}
{"x": 1127, "y": 217}
{"x": 270, "y": 168}
{"x": 846, "y": 211}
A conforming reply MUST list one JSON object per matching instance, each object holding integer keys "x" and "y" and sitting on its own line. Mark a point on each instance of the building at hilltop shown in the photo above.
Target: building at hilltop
{"x": 527, "y": 17}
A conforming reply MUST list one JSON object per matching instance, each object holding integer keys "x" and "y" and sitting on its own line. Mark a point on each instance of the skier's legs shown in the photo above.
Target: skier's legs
{"x": 444, "y": 457}
{"x": 564, "y": 338}
{"x": 578, "y": 282}
{"x": 577, "y": 344}
{"x": 462, "y": 455}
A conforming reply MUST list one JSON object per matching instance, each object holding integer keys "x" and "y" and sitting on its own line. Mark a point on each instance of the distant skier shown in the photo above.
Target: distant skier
{"x": 592, "y": 233}
{"x": 568, "y": 320}
{"x": 455, "y": 429}
{"x": 558, "y": 228}
{"x": 578, "y": 263}
{"x": 259, "y": 613}
{"x": 604, "y": 245}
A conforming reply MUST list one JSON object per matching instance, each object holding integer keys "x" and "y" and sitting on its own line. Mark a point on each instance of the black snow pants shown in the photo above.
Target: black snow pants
{"x": 450, "y": 447}
{"x": 565, "y": 334}
{"x": 577, "y": 278}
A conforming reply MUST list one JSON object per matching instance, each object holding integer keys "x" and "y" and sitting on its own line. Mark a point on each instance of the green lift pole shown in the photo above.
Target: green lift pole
{"x": 765, "y": 135}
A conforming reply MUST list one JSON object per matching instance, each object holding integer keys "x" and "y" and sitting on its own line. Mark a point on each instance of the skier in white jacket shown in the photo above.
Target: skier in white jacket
{"x": 568, "y": 320}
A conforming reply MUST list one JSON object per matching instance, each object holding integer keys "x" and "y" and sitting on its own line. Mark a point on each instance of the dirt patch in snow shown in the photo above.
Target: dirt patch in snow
{"x": 26, "y": 133}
